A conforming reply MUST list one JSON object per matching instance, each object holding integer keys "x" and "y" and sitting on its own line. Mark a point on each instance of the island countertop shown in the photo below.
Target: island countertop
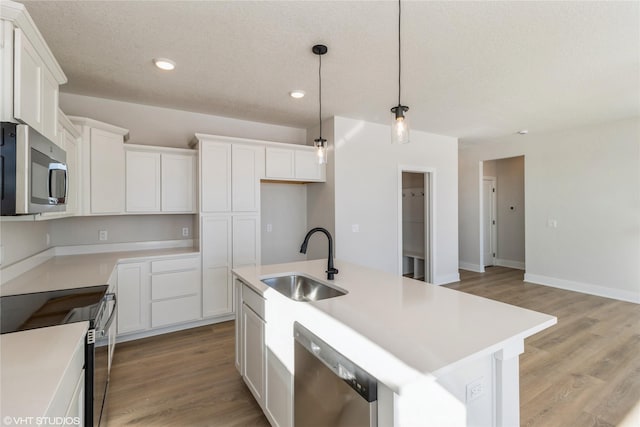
{"x": 430, "y": 329}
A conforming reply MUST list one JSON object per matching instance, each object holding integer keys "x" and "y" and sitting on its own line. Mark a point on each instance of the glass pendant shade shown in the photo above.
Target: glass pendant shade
{"x": 321, "y": 150}
{"x": 399, "y": 126}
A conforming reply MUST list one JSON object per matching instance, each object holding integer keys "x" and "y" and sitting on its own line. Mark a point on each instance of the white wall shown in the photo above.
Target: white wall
{"x": 173, "y": 128}
{"x": 367, "y": 182}
{"x": 284, "y": 207}
{"x": 21, "y": 239}
{"x": 121, "y": 229}
{"x": 510, "y": 222}
{"x": 588, "y": 181}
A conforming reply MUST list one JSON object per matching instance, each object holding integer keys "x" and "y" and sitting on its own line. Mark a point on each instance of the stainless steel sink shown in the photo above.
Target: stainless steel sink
{"x": 302, "y": 288}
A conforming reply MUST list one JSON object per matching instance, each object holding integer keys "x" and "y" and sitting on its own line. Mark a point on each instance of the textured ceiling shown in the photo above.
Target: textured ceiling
{"x": 474, "y": 70}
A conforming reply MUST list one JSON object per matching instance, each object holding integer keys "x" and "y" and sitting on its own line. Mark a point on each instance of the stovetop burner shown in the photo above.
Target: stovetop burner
{"x": 41, "y": 309}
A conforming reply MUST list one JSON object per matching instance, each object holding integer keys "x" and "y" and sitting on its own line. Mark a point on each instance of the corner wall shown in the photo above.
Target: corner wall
{"x": 367, "y": 182}
{"x": 587, "y": 182}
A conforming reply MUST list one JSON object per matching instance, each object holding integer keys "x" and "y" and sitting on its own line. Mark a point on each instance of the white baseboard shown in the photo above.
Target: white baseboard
{"x": 122, "y": 247}
{"x": 470, "y": 267}
{"x": 443, "y": 280}
{"x": 511, "y": 264}
{"x": 585, "y": 288}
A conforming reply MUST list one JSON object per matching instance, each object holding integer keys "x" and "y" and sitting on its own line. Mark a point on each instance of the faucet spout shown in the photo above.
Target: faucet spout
{"x": 331, "y": 270}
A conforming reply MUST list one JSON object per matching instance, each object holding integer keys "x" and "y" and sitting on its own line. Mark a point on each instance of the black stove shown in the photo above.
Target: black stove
{"x": 41, "y": 309}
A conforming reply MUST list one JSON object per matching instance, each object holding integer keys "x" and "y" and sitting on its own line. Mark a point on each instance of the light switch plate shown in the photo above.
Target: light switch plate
{"x": 103, "y": 235}
{"x": 355, "y": 228}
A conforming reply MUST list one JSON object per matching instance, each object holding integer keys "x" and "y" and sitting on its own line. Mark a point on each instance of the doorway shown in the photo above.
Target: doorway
{"x": 416, "y": 224}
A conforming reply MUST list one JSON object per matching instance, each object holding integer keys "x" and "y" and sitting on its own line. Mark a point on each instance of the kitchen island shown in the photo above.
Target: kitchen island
{"x": 441, "y": 357}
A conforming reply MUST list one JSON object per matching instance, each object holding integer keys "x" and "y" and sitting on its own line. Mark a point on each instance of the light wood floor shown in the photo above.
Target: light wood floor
{"x": 585, "y": 371}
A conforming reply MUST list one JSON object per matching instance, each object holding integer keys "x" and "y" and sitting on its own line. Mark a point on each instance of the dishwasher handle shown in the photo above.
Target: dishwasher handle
{"x": 354, "y": 376}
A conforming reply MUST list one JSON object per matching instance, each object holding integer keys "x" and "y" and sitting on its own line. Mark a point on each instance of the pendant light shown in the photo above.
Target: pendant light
{"x": 320, "y": 143}
{"x": 400, "y": 125}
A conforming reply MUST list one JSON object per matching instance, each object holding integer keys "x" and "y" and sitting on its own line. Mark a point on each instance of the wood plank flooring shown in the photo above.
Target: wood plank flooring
{"x": 585, "y": 371}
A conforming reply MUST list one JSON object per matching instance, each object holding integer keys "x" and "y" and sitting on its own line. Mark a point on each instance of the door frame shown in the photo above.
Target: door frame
{"x": 430, "y": 215}
{"x": 494, "y": 209}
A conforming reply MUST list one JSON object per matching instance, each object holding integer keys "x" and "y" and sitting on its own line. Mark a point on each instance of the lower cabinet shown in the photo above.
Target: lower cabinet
{"x": 265, "y": 375}
{"x": 158, "y": 293}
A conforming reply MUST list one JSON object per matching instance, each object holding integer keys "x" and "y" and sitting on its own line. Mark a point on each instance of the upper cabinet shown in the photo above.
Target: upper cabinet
{"x": 102, "y": 167}
{"x": 30, "y": 75}
{"x": 297, "y": 163}
{"x": 160, "y": 180}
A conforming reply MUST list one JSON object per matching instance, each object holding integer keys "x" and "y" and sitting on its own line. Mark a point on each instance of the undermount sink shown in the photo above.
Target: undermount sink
{"x": 302, "y": 288}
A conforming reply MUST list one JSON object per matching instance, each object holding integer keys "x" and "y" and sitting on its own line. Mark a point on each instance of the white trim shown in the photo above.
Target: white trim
{"x": 174, "y": 328}
{"x": 95, "y": 124}
{"x": 122, "y": 247}
{"x": 157, "y": 149}
{"x": 494, "y": 210}
{"x": 509, "y": 263}
{"x": 200, "y": 137}
{"x": 450, "y": 278}
{"x": 585, "y": 288}
{"x": 16, "y": 269}
{"x": 470, "y": 267}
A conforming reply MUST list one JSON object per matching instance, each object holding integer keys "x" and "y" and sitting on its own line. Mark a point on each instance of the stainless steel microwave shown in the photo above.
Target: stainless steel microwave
{"x": 33, "y": 172}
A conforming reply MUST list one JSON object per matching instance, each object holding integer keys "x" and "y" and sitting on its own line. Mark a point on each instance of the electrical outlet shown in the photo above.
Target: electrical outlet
{"x": 355, "y": 228}
{"x": 185, "y": 231}
{"x": 48, "y": 240}
{"x": 103, "y": 235}
{"x": 269, "y": 228}
{"x": 1, "y": 254}
{"x": 475, "y": 389}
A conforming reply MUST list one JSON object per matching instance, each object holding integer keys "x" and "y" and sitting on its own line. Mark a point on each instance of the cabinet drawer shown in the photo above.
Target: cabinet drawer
{"x": 252, "y": 299}
{"x": 173, "y": 311}
{"x": 171, "y": 285}
{"x": 175, "y": 264}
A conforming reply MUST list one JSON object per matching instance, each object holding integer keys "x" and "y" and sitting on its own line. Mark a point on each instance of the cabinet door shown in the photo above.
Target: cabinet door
{"x": 49, "y": 105}
{"x": 245, "y": 179}
{"x": 246, "y": 240}
{"x": 133, "y": 297}
{"x": 253, "y": 334}
{"x": 217, "y": 296}
{"x": 178, "y": 183}
{"x": 280, "y": 163}
{"x": 27, "y": 82}
{"x": 278, "y": 391}
{"x": 307, "y": 166}
{"x": 142, "y": 181}
{"x": 73, "y": 172}
{"x": 215, "y": 169}
{"x": 107, "y": 173}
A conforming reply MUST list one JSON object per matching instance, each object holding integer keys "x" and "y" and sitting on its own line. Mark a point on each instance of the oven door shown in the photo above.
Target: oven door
{"x": 102, "y": 360}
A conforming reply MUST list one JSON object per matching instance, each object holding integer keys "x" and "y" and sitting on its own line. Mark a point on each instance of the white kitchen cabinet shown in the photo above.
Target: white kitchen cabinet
{"x": 178, "y": 181}
{"x": 280, "y": 163}
{"x": 278, "y": 391}
{"x": 102, "y": 167}
{"x": 133, "y": 297}
{"x": 217, "y": 289}
{"x": 215, "y": 176}
{"x": 160, "y": 179}
{"x": 237, "y": 305}
{"x": 246, "y": 240}
{"x": 253, "y": 327}
{"x": 142, "y": 181}
{"x": 293, "y": 164}
{"x": 76, "y": 405}
{"x": 246, "y": 170}
{"x": 30, "y": 76}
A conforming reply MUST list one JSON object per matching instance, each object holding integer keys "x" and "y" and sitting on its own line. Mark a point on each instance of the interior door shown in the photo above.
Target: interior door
{"x": 488, "y": 221}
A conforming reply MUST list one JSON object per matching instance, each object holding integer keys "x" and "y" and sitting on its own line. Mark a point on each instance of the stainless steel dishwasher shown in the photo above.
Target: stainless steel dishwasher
{"x": 329, "y": 389}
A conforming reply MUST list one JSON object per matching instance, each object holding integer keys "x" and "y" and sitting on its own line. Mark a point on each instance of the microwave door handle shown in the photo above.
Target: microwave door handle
{"x": 56, "y": 167}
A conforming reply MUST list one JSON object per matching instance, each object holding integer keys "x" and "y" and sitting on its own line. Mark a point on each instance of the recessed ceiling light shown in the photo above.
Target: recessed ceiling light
{"x": 164, "y": 64}
{"x": 523, "y": 132}
{"x": 297, "y": 94}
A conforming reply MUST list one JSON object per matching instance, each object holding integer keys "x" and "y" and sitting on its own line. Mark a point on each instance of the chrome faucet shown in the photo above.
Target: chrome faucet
{"x": 331, "y": 271}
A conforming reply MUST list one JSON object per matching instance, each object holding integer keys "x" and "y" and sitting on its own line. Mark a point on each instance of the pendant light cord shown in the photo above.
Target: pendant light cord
{"x": 399, "y": 52}
{"x": 320, "y": 94}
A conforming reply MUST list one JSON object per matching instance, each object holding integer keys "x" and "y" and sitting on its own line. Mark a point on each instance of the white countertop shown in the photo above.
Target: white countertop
{"x": 33, "y": 364}
{"x": 74, "y": 271}
{"x": 429, "y": 329}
